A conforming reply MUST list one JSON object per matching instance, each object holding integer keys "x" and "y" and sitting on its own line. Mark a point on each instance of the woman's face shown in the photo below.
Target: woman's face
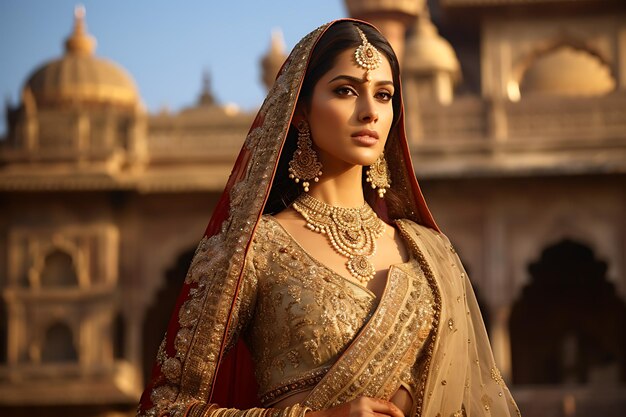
{"x": 350, "y": 117}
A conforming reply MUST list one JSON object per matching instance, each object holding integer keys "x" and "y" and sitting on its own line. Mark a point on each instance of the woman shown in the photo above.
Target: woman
{"x": 347, "y": 308}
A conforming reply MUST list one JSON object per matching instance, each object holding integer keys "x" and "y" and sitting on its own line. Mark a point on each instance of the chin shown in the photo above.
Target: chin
{"x": 368, "y": 162}
{"x": 368, "y": 159}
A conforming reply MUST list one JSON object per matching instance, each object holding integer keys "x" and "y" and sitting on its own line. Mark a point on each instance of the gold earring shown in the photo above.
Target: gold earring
{"x": 304, "y": 166}
{"x": 378, "y": 175}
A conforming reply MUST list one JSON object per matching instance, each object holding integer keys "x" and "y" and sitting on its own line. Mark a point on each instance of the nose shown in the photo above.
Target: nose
{"x": 367, "y": 111}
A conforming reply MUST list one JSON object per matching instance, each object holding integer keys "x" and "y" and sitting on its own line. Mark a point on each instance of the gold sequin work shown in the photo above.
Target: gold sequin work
{"x": 305, "y": 315}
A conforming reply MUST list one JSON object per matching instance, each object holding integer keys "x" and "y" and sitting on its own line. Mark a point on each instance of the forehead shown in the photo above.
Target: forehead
{"x": 345, "y": 64}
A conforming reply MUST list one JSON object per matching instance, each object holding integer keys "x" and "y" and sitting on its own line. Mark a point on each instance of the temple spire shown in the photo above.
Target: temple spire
{"x": 206, "y": 96}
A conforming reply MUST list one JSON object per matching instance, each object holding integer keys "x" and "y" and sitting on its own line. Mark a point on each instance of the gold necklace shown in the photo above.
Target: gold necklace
{"x": 352, "y": 232}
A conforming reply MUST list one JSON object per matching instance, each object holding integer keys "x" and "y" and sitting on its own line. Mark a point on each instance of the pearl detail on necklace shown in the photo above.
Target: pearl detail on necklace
{"x": 352, "y": 232}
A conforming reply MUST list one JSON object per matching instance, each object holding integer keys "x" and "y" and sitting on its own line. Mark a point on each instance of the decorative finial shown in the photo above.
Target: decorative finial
{"x": 206, "y": 81}
{"x": 80, "y": 42}
{"x": 206, "y": 97}
{"x": 273, "y": 59}
{"x": 367, "y": 56}
{"x": 80, "y": 12}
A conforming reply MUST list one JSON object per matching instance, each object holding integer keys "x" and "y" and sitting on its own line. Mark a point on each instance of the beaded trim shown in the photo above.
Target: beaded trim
{"x": 293, "y": 386}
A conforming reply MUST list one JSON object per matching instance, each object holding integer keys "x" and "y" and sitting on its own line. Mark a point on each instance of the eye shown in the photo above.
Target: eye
{"x": 384, "y": 95}
{"x": 345, "y": 91}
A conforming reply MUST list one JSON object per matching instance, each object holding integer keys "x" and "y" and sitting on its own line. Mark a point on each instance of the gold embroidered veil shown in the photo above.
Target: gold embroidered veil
{"x": 459, "y": 376}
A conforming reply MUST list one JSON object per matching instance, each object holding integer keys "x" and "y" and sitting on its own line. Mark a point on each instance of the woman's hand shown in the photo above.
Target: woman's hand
{"x": 360, "y": 407}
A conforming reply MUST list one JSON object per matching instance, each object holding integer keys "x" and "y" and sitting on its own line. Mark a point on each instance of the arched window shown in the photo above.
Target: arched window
{"x": 567, "y": 71}
{"x": 569, "y": 326}
{"x": 59, "y": 270}
{"x": 59, "y": 345}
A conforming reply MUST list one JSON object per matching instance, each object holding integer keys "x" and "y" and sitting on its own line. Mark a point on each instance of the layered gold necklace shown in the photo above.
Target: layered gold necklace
{"x": 352, "y": 232}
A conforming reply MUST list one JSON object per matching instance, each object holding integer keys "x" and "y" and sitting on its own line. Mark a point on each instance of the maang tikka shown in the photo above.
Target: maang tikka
{"x": 304, "y": 166}
{"x": 378, "y": 175}
{"x": 367, "y": 56}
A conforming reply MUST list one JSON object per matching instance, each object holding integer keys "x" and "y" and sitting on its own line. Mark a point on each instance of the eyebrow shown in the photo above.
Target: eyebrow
{"x": 359, "y": 80}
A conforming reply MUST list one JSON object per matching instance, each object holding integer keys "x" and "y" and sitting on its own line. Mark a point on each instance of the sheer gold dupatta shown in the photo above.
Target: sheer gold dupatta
{"x": 460, "y": 377}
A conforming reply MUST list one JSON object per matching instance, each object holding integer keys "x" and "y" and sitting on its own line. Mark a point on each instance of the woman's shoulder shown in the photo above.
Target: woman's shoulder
{"x": 419, "y": 229}
{"x": 268, "y": 231}
{"x": 265, "y": 242}
{"x": 433, "y": 241}
{"x": 264, "y": 228}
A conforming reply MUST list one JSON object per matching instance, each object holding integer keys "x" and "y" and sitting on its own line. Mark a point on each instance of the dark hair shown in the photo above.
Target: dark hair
{"x": 337, "y": 38}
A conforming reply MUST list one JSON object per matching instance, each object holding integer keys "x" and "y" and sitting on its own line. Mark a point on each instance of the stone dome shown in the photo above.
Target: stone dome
{"x": 79, "y": 77}
{"x": 360, "y": 8}
{"x": 426, "y": 51}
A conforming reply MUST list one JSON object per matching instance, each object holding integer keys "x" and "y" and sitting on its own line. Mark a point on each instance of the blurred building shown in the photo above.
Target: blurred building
{"x": 516, "y": 112}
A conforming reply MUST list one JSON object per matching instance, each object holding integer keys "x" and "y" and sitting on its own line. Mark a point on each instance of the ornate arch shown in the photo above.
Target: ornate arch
{"x": 552, "y": 44}
{"x": 593, "y": 75}
{"x": 564, "y": 221}
{"x": 62, "y": 245}
{"x": 58, "y": 342}
{"x": 159, "y": 310}
{"x": 163, "y": 257}
{"x": 571, "y": 306}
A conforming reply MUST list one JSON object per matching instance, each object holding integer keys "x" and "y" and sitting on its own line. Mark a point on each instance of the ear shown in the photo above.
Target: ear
{"x": 299, "y": 115}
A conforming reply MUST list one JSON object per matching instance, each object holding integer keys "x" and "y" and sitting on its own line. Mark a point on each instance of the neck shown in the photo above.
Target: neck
{"x": 341, "y": 189}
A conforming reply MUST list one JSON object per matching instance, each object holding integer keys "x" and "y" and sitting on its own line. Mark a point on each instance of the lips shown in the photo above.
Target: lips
{"x": 366, "y": 132}
{"x": 365, "y": 137}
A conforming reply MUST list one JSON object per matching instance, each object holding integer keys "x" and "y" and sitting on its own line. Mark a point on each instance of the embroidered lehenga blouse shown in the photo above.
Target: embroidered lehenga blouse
{"x": 299, "y": 316}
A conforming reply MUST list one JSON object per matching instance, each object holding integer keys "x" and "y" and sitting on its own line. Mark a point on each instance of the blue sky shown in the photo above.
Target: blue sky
{"x": 165, "y": 45}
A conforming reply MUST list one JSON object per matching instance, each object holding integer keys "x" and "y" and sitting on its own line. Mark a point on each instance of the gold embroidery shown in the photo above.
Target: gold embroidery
{"x": 163, "y": 394}
{"x": 171, "y": 369}
{"x": 305, "y": 315}
{"x": 182, "y": 342}
{"x": 487, "y": 402}
{"x": 294, "y": 385}
{"x": 294, "y": 358}
{"x": 392, "y": 336}
{"x": 497, "y": 376}
{"x": 161, "y": 355}
{"x": 432, "y": 282}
